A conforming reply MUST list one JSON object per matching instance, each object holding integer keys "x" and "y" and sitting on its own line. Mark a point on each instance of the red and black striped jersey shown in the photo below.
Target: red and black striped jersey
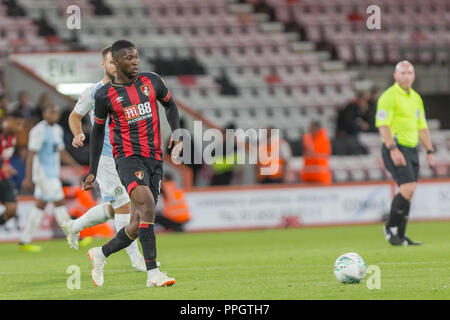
{"x": 7, "y": 147}
{"x": 134, "y": 124}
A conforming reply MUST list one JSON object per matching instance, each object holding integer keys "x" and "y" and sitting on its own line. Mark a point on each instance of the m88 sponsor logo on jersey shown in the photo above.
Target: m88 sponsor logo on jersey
{"x": 138, "y": 112}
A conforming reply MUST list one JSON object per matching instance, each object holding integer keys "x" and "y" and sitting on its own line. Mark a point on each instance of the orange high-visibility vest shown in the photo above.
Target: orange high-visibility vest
{"x": 270, "y": 161}
{"x": 316, "y": 150}
{"x": 175, "y": 206}
{"x": 85, "y": 202}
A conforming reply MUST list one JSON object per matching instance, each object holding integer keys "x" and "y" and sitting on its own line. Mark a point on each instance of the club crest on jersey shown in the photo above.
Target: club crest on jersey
{"x": 145, "y": 89}
{"x": 139, "y": 175}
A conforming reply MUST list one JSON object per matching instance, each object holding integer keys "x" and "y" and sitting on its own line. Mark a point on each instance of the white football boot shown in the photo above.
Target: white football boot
{"x": 72, "y": 237}
{"x": 160, "y": 279}
{"x": 98, "y": 262}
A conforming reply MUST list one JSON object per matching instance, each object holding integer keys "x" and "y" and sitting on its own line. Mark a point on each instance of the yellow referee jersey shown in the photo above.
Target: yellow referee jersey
{"x": 403, "y": 113}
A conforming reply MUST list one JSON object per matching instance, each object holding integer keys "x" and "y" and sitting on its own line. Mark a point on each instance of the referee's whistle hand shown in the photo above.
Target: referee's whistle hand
{"x": 88, "y": 182}
{"x": 398, "y": 158}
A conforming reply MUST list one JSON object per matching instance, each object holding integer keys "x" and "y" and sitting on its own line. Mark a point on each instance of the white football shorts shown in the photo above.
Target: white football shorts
{"x": 111, "y": 188}
{"x": 49, "y": 190}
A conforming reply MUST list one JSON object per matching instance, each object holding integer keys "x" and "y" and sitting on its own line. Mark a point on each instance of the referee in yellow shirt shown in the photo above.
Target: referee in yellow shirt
{"x": 401, "y": 121}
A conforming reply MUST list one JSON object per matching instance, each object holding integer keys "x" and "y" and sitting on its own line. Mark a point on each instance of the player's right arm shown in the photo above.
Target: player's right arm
{"x": 75, "y": 128}
{"x": 97, "y": 138}
{"x": 83, "y": 106}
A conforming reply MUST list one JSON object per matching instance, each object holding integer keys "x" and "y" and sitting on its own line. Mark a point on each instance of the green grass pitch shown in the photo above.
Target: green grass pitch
{"x": 265, "y": 264}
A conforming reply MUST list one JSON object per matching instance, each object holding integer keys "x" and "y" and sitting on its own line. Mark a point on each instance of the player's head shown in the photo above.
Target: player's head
{"x": 108, "y": 64}
{"x": 404, "y": 74}
{"x": 24, "y": 98}
{"x": 13, "y": 122}
{"x": 51, "y": 114}
{"x": 314, "y": 127}
{"x": 126, "y": 58}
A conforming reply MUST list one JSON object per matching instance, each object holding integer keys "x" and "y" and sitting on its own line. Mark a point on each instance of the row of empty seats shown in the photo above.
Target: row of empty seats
{"x": 404, "y": 27}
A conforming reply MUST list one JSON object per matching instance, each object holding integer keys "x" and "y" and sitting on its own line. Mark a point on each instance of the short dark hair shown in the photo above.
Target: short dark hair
{"x": 106, "y": 50}
{"x": 50, "y": 106}
{"x": 119, "y": 45}
{"x": 315, "y": 123}
{"x": 15, "y": 114}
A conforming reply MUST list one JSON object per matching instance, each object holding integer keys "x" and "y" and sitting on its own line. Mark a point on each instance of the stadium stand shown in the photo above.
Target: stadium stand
{"x": 255, "y": 63}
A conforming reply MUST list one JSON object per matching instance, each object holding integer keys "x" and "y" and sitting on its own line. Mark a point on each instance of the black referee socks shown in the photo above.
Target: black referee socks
{"x": 399, "y": 214}
{"x": 121, "y": 241}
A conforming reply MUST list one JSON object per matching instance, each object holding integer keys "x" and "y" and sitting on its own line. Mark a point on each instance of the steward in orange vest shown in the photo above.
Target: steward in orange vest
{"x": 176, "y": 211}
{"x": 316, "y": 154}
{"x": 275, "y": 156}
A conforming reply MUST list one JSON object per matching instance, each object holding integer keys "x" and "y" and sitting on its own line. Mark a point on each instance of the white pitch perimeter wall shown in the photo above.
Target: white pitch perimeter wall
{"x": 233, "y": 208}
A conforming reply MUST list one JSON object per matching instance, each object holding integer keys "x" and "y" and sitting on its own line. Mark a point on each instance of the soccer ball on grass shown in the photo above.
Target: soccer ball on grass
{"x": 350, "y": 268}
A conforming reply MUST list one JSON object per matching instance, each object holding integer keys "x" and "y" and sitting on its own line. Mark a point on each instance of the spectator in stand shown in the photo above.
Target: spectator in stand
{"x": 196, "y": 167}
{"x": 370, "y": 116}
{"x": 45, "y": 100}
{"x": 316, "y": 155}
{"x": 223, "y": 165}
{"x": 352, "y": 120}
{"x": 4, "y": 105}
{"x": 23, "y": 104}
{"x": 274, "y": 154}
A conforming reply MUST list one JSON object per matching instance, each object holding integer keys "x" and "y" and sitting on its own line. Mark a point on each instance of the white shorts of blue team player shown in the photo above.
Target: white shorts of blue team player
{"x": 111, "y": 188}
{"x": 47, "y": 142}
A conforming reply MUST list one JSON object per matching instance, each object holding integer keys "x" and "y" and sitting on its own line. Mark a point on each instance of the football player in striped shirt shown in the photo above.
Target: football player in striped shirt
{"x": 130, "y": 102}
{"x": 116, "y": 202}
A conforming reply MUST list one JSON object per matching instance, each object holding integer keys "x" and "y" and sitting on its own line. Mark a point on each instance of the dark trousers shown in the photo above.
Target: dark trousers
{"x": 222, "y": 179}
{"x": 169, "y": 224}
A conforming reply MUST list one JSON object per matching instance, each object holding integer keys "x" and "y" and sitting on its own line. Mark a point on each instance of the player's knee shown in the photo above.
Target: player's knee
{"x": 10, "y": 209}
{"x": 143, "y": 198}
{"x": 132, "y": 229}
{"x": 407, "y": 190}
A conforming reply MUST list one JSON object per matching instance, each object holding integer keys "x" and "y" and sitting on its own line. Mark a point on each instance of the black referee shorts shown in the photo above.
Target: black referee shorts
{"x": 404, "y": 174}
{"x": 137, "y": 170}
{"x": 8, "y": 192}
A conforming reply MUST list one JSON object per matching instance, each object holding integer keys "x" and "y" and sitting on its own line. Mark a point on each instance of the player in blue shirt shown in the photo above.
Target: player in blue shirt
{"x": 45, "y": 152}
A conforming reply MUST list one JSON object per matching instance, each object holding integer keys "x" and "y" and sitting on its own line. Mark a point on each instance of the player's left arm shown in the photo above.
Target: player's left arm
{"x": 164, "y": 96}
{"x": 424, "y": 134}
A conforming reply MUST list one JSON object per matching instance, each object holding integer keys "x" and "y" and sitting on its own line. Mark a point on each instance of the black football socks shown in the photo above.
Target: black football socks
{"x": 148, "y": 242}
{"x": 121, "y": 241}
